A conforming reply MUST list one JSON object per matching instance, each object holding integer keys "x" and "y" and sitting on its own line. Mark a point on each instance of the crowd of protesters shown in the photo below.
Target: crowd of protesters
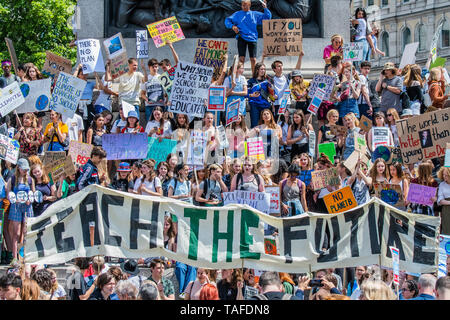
{"x": 396, "y": 94}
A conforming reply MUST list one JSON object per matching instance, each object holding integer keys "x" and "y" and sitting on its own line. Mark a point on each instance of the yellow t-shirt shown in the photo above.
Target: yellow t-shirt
{"x": 63, "y": 128}
{"x": 297, "y": 87}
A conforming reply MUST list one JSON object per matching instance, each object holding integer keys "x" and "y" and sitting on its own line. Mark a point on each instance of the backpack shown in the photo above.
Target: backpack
{"x": 286, "y": 296}
{"x": 299, "y": 183}
{"x": 405, "y": 100}
{"x": 239, "y": 178}
{"x": 205, "y": 191}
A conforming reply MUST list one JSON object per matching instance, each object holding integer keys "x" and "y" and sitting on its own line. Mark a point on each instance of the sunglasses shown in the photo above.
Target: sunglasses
{"x": 389, "y": 115}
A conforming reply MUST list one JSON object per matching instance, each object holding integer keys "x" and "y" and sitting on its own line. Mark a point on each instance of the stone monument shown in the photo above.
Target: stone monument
{"x": 321, "y": 19}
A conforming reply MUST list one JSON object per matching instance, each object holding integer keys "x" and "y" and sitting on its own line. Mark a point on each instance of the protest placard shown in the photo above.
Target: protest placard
{"x": 447, "y": 156}
{"x": 312, "y": 144}
{"x": 54, "y": 64}
{"x": 9, "y": 149}
{"x": 380, "y": 137}
{"x": 409, "y": 54}
{"x": 270, "y": 246}
{"x": 284, "y": 101}
{"x": 396, "y": 155}
{"x": 258, "y": 200}
{"x": 166, "y": 80}
{"x": 119, "y": 65}
{"x": 439, "y": 62}
{"x": 66, "y": 94}
{"x": 360, "y": 143}
{"x": 424, "y": 136}
{"x": 365, "y": 124}
{"x": 141, "y": 44}
{"x": 80, "y": 152}
{"x": 338, "y": 130}
{"x": 282, "y": 37}
{"x": 420, "y": 194}
{"x": 190, "y": 89}
{"x": 50, "y": 156}
{"x": 90, "y": 55}
{"x": 223, "y": 140}
{"x": 351, "y": 162}
{"x": 196, "y": 148}
{"x": 12, "y": 54}
{"x": 353, "y": 51}
{"x": 233, "y": 112}
{"x": 340, "y": 201}
{"x": 324, "y": 82}
{"x": 444, "y": 251}
{"x": 167, "y": 29}
{"x": 390, "y": 193}
{"x": 275, "y": 204}
{"x": 125, "y": 146}
{"x": 395, "y": 266}
{"x": 60, "y": 167}
{"x": 316, "y": 101}
{"x": 255, "y": 148}
{"x": 37, "y": 96}
{"x": 114, "y": 45}
{"x": 211, "y": 53}
{"x": 434, "y": 41}
{"x": 329, "y": 149}
{"x": 323, "y": 178}
{"x": 216, "y": 98}
{"x": 11, "y": 97}
{"x": 127, "y": 107}
{"x": 159, "y": 151}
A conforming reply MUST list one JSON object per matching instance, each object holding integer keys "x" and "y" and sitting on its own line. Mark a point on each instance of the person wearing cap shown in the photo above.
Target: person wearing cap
{"x": 7, "y": 77}
{"x": 122, "y": 181}
{"x": 244, "y": 23}
{"x": 131, "y": 269}
{"x": 132, "y": 125}
{"x": 21, "y": 184}
{"x": 390, "y": 86}
{"x": 299, "y": 90}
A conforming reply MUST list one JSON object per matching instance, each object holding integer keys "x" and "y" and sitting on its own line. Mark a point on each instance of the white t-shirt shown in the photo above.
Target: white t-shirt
{"x": 129, "y": 87}
{"x": 75, "y": 124}
{"x": 151, "y": 185}
{"x": 167, "y": 128}
{"x": 280, "y": 85}
{"x": 153, "y": 90}
{"x": 119, "y": 123}
{"x": 362, "y": 29}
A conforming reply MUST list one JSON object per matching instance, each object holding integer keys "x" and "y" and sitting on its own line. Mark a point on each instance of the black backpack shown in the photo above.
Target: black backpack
{"x": 239, "y": 178}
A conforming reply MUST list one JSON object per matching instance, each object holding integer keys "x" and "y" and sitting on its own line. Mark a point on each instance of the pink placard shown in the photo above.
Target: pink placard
{"x": 421, "y": 194}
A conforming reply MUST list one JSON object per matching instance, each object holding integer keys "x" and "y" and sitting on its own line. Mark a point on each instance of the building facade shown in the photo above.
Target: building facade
{"x": 406, "y": 21}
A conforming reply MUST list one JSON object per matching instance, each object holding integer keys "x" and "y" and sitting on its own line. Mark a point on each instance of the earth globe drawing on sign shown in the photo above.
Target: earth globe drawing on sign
{"x": 42, "y": 102}
{"x": 25, "y": 88}
{"x": 390, "y": 196}
{"x": 381, "y": 152}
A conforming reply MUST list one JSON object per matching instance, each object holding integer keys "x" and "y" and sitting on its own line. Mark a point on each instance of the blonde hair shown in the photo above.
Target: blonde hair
{"x": 372, "y": 289}
{"x": 394, "y": 115}
{"x": 30, "y": 290}
{"x": 435, "y": 74}
{"x": 45, "y": 178}
{"x": 32, "y": 117}
{"x": 332, "y": 112}
{"x": 337, "y": 36}
{"x": 351, "y": 116}
{"x": 441, "y": 172}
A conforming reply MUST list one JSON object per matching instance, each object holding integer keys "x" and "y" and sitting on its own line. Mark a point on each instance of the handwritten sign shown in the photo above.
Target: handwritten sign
{"x": 211, "y": 53}
{"x": 80, "y": 152}
{"x": 420, "y": 194}
{"x": 159, "y": 151}
{"x": 66, "y": 94}
{"x": 424, "y": 136}
{"x": 60, "y": 167}
{"x": 166, "y": 80}
{"x": 390, "y": 193}
{"x": 365, "y": 124}
{"x": 233, "y": 112}
{"x": 119, "y": 65}
{"x": 167, "y": 29}
{"x": 275, "y": 204}
{"x": 141, "y": 44}
{"x": 351, "y": 162}
{"x": 54, "y": 64}
{"x": 9, "y": 149}
{"x": 322, "y": 178}
{"x": 216, "y": 98}
{"x": 190, "y": 89}
{"x": 258, "y": 200}
{"x": 282, "y": 37}
{"x": 360, "y": 143}
{"x": 37, "y": 96}
{"x": 324, "y": 82}
{"x": 338, "y": 130}
{"x": 11, "y": 97}
{"x": 90, "y": 55}
{"x": 353, "y": 51}
{"x": 125, "y": 146}
{"x": 50, "y": 156}
{"x": 340, "y": 201}
{"x": 329, "y": 149}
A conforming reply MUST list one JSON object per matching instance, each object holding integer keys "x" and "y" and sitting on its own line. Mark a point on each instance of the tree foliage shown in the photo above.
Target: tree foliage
{"x": 35, "y": 26}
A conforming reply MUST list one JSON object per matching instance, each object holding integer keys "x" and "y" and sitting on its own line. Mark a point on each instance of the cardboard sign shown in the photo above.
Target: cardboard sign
{"x": 66, "y": 94}
{"x": 211, "y": 53}
{"x": 275, "y": 204}
{"x": 37, "y": 96}
{"x": 396, "y": 156}
{"x": 258, "y": 200}
{"x": 216, "y": 98}
{"x": 382, "y": 152}
{"x": 353, "y": 51}
{"x": 54, "y": 64}
{"x": 119, "y": 65}
{"x": 255, "y": 148}
{"x": 420, "y": 194}
{"x": 322, "y": 178}
{"x": 166, "y": 80}
{"x": 60, "y": 167}
{"x": 125, "y": 146}
{"x": 338, "y": 130}
{"x": 324, "y": 82}
{"x": 329, "y": 149}
{"x": 90, "y": 54}
{"x": 167, "y": 29}
{"x": 141, "y": 44}
{"x": 352, "y": 161}
{"x": 190, "y": 89}
{"x": 365, "y": 124}
{"x": 409, "y": 54}
{"x": 340, "y": 201}
{"x": 360, "y": 143}
{"x": 233, "y": 112}
{"x": 11, "y": 97}
{"x": 50, "y": 156}
{"x": 9, "y": 149}
{"x": 424, "y": 136}
{"x": 380, "y": 137}
{"x": 390, "y": 193}
{"x": 159, "y": 151}
{"x": 80, "y": 152}
{"x": 282, "y": 37}
{"x": 117, "y": 53}
{"x": 12, "y": 54}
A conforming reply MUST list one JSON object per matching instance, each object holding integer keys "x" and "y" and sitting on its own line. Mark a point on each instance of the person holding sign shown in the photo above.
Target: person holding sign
{"x": 299, "y": 91}
{"x": 398, "y": 177}
{"x": 349, "y": 90}
{"x": 360, "y": 182}
{"x": 258, "y": 93}
{"x": 236, "y": 87}
{"x": 351, "y": 122}
{"x": 42, "y": 184}
{"x": 130, "y": 84}
{"x": 298, "y": 134}
{"x": 56, "y": 133}
{"x": 293, "y": 193}
{"x": 7, "y": 77}
{"x": 244, "y": 23}
{"x": 372, "y": 140}
{"x": 132, "y": 124}
{"x": 444, "y": 199}
{"x": 424, "y": 178}
{"x": 152, "y": 91}
{"x": 29, "y": 136}
{"x": 323, "y": 163}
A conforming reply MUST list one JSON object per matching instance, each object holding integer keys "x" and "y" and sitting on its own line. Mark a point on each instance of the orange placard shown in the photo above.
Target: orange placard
{"x": 340, "y": 201}
{"x": 270, "y": 246}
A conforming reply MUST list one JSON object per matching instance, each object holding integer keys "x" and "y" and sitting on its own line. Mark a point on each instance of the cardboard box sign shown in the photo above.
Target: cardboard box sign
{"x": 390, "y": 193}
{"x": 336, "y": 130}
{"x": 322, "y": 178}
{"x": 365, "y": 124}
{"x": 54, "y": 64}
{"x": 282, "y": 37}
{"x": 340, "y": 201}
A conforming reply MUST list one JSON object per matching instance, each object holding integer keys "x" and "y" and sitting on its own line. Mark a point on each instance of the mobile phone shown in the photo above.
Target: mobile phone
{"x": 315, "y": 283}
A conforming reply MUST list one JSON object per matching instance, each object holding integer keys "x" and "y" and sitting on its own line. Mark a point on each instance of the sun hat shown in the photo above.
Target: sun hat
{"x": 124, "y": 166}
{"x": 133, "y": 114}
{"x": 296, "y": 73}
{"x": 130, "y": 266}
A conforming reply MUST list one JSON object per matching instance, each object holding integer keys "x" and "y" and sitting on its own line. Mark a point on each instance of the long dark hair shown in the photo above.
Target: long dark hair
{"x": 94, "y": 121}
{"x": 161, "y": 121}
{"x": 363, "y": 11}
{"x": 256, "y": 70}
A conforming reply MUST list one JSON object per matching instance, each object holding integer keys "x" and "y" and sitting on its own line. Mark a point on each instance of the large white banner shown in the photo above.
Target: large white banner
{"x": 131, "y": 226}
{"x": 37, "y": 96}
